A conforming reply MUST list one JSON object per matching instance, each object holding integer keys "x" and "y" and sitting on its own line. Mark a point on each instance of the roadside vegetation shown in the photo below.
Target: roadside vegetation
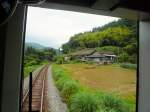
{"x": 80, "y": 98}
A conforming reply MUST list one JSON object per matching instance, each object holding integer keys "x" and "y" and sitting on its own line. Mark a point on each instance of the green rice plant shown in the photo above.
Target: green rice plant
{"x": 69, "y": 88}
{"x": 113, "y": 103}
{"x": 58, "y": 74}
{"x": 83, "y": 102}
{"x": 105, "y": 110}
{"x": 60, "y": 83}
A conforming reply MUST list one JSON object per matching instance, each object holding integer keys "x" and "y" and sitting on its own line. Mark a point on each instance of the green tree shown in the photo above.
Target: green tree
{"x": 124, "y": 57}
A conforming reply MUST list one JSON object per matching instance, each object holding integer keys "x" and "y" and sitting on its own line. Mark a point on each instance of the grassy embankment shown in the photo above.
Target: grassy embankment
{"x": 91, "y": 88}
{"x": 31, "y": 68}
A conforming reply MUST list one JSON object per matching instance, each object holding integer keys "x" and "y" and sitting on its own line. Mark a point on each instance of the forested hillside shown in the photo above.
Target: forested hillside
{"x": 119, "y": 37}
{"x": 33, "y": 45}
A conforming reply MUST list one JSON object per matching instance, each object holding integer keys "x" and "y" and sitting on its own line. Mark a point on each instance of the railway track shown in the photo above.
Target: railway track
{"x": 38, "y": 87}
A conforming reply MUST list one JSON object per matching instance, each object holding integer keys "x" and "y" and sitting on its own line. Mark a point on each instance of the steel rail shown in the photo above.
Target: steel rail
{"x": 43, "y": 88}
{"x": 27, "y": 93}
{"x": 44, "y": 70}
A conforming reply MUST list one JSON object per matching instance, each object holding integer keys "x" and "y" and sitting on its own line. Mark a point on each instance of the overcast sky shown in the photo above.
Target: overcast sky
{"x": 52, "y": 28}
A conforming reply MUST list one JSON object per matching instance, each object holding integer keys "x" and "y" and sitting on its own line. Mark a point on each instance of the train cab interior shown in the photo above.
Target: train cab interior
{"x": 12, "y": 37}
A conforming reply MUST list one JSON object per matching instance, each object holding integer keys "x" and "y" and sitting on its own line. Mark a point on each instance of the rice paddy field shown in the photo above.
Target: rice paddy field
{"x": 107, "y": 78}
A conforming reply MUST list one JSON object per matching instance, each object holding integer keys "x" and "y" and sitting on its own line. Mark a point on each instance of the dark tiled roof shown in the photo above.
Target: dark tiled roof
{"x": 83, "y": 52}
{"x": 101, "y": 54}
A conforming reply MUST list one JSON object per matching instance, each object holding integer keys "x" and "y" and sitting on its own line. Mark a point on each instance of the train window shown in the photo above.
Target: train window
{"x": 79, "y": 62}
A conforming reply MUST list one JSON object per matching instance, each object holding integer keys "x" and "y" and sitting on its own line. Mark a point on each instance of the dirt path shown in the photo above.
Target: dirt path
{"x": 54, "y": 101}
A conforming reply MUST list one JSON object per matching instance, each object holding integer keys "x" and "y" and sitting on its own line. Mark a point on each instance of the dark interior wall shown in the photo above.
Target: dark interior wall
{"x": 13, "y": 35}
{"x": 86, "y": 3}
{"x": 140, "y": 5}
{"x": 2, "y": 49}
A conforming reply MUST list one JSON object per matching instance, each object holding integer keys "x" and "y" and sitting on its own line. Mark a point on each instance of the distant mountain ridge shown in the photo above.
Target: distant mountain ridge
{"x": 34, "y": 45}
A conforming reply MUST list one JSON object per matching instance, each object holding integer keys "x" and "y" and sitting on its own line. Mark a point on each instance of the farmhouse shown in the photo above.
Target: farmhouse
{"x": 95, "y": 56}
{"x": 102, "y": 57}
